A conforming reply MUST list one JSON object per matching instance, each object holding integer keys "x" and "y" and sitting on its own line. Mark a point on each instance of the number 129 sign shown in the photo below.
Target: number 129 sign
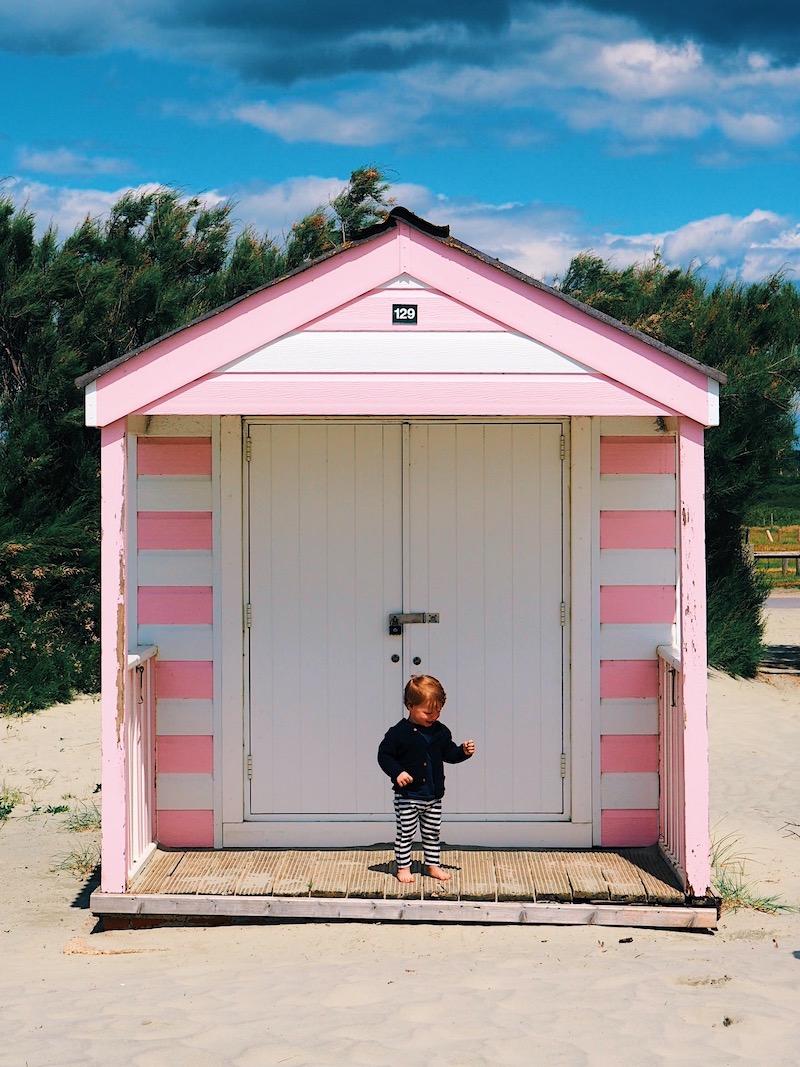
{"x": 404, "y": 314}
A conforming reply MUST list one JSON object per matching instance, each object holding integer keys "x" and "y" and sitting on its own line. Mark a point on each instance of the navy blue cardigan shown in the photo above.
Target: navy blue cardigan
{"x": 402, "y": 749}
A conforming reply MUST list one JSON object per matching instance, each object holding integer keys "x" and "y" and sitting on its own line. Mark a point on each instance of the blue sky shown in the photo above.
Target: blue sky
{"x": 535, "y": 130}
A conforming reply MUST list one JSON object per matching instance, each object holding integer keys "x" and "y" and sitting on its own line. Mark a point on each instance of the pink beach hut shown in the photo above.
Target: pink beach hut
{"x": 406, "y": 456}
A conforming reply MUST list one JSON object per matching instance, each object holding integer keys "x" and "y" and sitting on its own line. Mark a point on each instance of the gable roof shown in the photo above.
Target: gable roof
{"x": 438, "y": 233}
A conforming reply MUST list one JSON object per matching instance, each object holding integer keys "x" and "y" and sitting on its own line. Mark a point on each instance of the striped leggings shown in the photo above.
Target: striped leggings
{"x": 429, "y": 815}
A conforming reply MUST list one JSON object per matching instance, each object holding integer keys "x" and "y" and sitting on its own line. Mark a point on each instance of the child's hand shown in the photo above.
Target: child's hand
{"x": 468, "y": 747}
{"x": 404, "y": 779}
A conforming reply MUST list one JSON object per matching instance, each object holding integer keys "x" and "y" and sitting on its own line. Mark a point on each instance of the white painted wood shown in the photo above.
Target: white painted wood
{"x": 90, "y": 401}
{"x": 594, "y": 650}
{"x": 174, "y": 493}
{"x": 629, "y": 716}
{"x": 404, "y": 281}
{"x": 217, "y": 625}
{"x": 178, "y": 642}
{"x": 611, "y": 426}
{"x": 326, "y": 909}
{"x": 631, "y": 790}
{"x": 325, "y": 571}
{"x": 582, "y": 652}
{"x": 535, "y": 833}
{"x": 637, "y": 492}
{"x": 190, "y": 717}
{"x": 408, "y": 351}
{"x": 229, "y": 596}
{"x": 638, "y": 566}
{"x": 713, "y": 402}
{"x": 634, "y": 640}
{"x": 185, "y": 792}
{"x": 182, "y": 568}
{"x": 131, "y": 491}
{"x": 178, "y": 425}
{"x": 485, "y": 551}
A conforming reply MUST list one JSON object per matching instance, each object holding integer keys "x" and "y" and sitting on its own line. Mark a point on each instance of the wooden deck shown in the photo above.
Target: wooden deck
{"x": 626, "y": 887}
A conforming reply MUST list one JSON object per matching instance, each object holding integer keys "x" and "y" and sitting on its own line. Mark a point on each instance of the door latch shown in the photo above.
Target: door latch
{"x": 397, "y": 620}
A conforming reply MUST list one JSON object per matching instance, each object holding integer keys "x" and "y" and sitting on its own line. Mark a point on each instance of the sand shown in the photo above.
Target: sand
{"x": 374, "y": 994}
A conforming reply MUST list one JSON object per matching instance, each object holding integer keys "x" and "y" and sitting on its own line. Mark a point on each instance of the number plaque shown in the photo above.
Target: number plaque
{"x": 404, "y": 314}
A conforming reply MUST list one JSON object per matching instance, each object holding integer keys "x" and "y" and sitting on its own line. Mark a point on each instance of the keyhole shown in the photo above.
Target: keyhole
{"x": 416, "y": 661}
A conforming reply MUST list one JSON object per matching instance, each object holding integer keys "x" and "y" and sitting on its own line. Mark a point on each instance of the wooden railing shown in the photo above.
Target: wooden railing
{"x": 140, "y": 741}
{"x": 672, "y": 778}
{"x": 784, "y": 558}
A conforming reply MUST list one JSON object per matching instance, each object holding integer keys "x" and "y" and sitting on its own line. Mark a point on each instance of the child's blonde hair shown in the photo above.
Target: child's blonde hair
{"x": 423, "y": 689}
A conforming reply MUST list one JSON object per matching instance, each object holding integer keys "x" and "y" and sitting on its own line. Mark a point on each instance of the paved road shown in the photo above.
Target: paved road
{"x": 782, "y": 654}
{"x": 781, "y": 601}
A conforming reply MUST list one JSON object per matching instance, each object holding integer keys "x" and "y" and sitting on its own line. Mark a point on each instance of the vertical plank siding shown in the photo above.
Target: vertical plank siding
{"x": 175, "y": 612}
{"x": 638, "y": 591}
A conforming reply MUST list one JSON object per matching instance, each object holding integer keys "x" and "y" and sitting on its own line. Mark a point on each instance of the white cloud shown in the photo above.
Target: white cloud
{"x": 642, "y": 68}
{"x": 67, "y": 161}
{"x": 298, "y": 121}
{"x": 273, "y": 208}
{"x": 538, "y": 239}
{"x": 755, "y": 129}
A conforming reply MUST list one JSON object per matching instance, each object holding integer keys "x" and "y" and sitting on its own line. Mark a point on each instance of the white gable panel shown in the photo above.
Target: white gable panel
{"x": 404, "y": 281}
{"x": 405, "y": 352}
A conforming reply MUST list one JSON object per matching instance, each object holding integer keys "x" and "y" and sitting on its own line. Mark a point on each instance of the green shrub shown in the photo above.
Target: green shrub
{"x": 735, "y": 624}
{"x": 49, "y": 619}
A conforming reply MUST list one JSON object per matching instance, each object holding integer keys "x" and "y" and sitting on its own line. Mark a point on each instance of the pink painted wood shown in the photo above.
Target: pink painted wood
{"x": 435, "y": 312}
{"x": 177, "y": 754}
{"x": 637, "y": 529}
{"x": 114, "y": 658}
{"x": 637, "y": 455}
{"x": 185, "y": 680}
{"x": 176, "y": 605}
{"x": 694, "y": 665}
{"x": 632, "y": 828}
{"x": 405, "y": 394}
{"x": 657, "y": 378}
{"x": 174, "y": 455}
{"x": 186, "y": 829}
{"x": 562, "y": 326}
{"x": 174, "y": 529}
{"x": 628, "y": 752}
{"x": 637, "y": 603}
{"x": 628, "y": 678}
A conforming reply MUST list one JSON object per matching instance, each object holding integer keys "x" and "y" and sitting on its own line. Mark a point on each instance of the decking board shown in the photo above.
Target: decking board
{"x": 550, "y": 877}
{"x": 613, "y": 876}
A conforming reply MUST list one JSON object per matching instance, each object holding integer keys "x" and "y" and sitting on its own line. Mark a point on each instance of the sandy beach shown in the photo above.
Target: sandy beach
{"x": 305, "y": 993}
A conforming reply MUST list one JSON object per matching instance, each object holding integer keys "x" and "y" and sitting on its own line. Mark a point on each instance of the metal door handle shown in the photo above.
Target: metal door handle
{"x": 398, "y": 619}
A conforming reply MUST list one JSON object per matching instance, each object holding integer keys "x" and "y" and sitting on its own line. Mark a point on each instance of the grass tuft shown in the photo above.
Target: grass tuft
{"x": 81, "y": 861}
{"x": 84, "y": 817}
{"x": 735, "y": 889}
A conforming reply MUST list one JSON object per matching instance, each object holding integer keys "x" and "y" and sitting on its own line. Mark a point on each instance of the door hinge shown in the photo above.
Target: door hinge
{"x": 248, "y": 615}
{"x": 249, "y": 767}
{"x": 563, "y": 765}
{"x": 562, "y": 444}
{"x": 563, "y": 613}
{"x": 248, "y": 448}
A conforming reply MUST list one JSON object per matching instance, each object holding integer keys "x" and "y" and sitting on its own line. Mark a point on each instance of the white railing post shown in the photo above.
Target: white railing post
{"x": 140, "y": 739}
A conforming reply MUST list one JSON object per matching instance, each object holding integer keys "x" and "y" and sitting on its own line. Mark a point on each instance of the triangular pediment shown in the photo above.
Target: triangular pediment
{"x": 403, "y": 302}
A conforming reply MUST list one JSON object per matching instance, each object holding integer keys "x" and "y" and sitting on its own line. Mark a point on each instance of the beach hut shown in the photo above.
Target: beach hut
{"x": 403, "y": 457}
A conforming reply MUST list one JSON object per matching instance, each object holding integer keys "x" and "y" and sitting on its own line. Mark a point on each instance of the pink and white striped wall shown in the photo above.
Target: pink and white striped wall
{"x": 174, "y": 611}
{"x": 638, "y": 577}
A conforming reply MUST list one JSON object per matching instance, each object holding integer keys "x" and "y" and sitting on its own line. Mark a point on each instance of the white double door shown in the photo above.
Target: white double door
{"x": 351, "y": 523}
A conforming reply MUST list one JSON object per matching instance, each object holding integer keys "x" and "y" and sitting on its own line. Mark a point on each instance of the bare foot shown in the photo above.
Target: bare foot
{"x": 439, "y": 874}
{"x": 404, "y": 874}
